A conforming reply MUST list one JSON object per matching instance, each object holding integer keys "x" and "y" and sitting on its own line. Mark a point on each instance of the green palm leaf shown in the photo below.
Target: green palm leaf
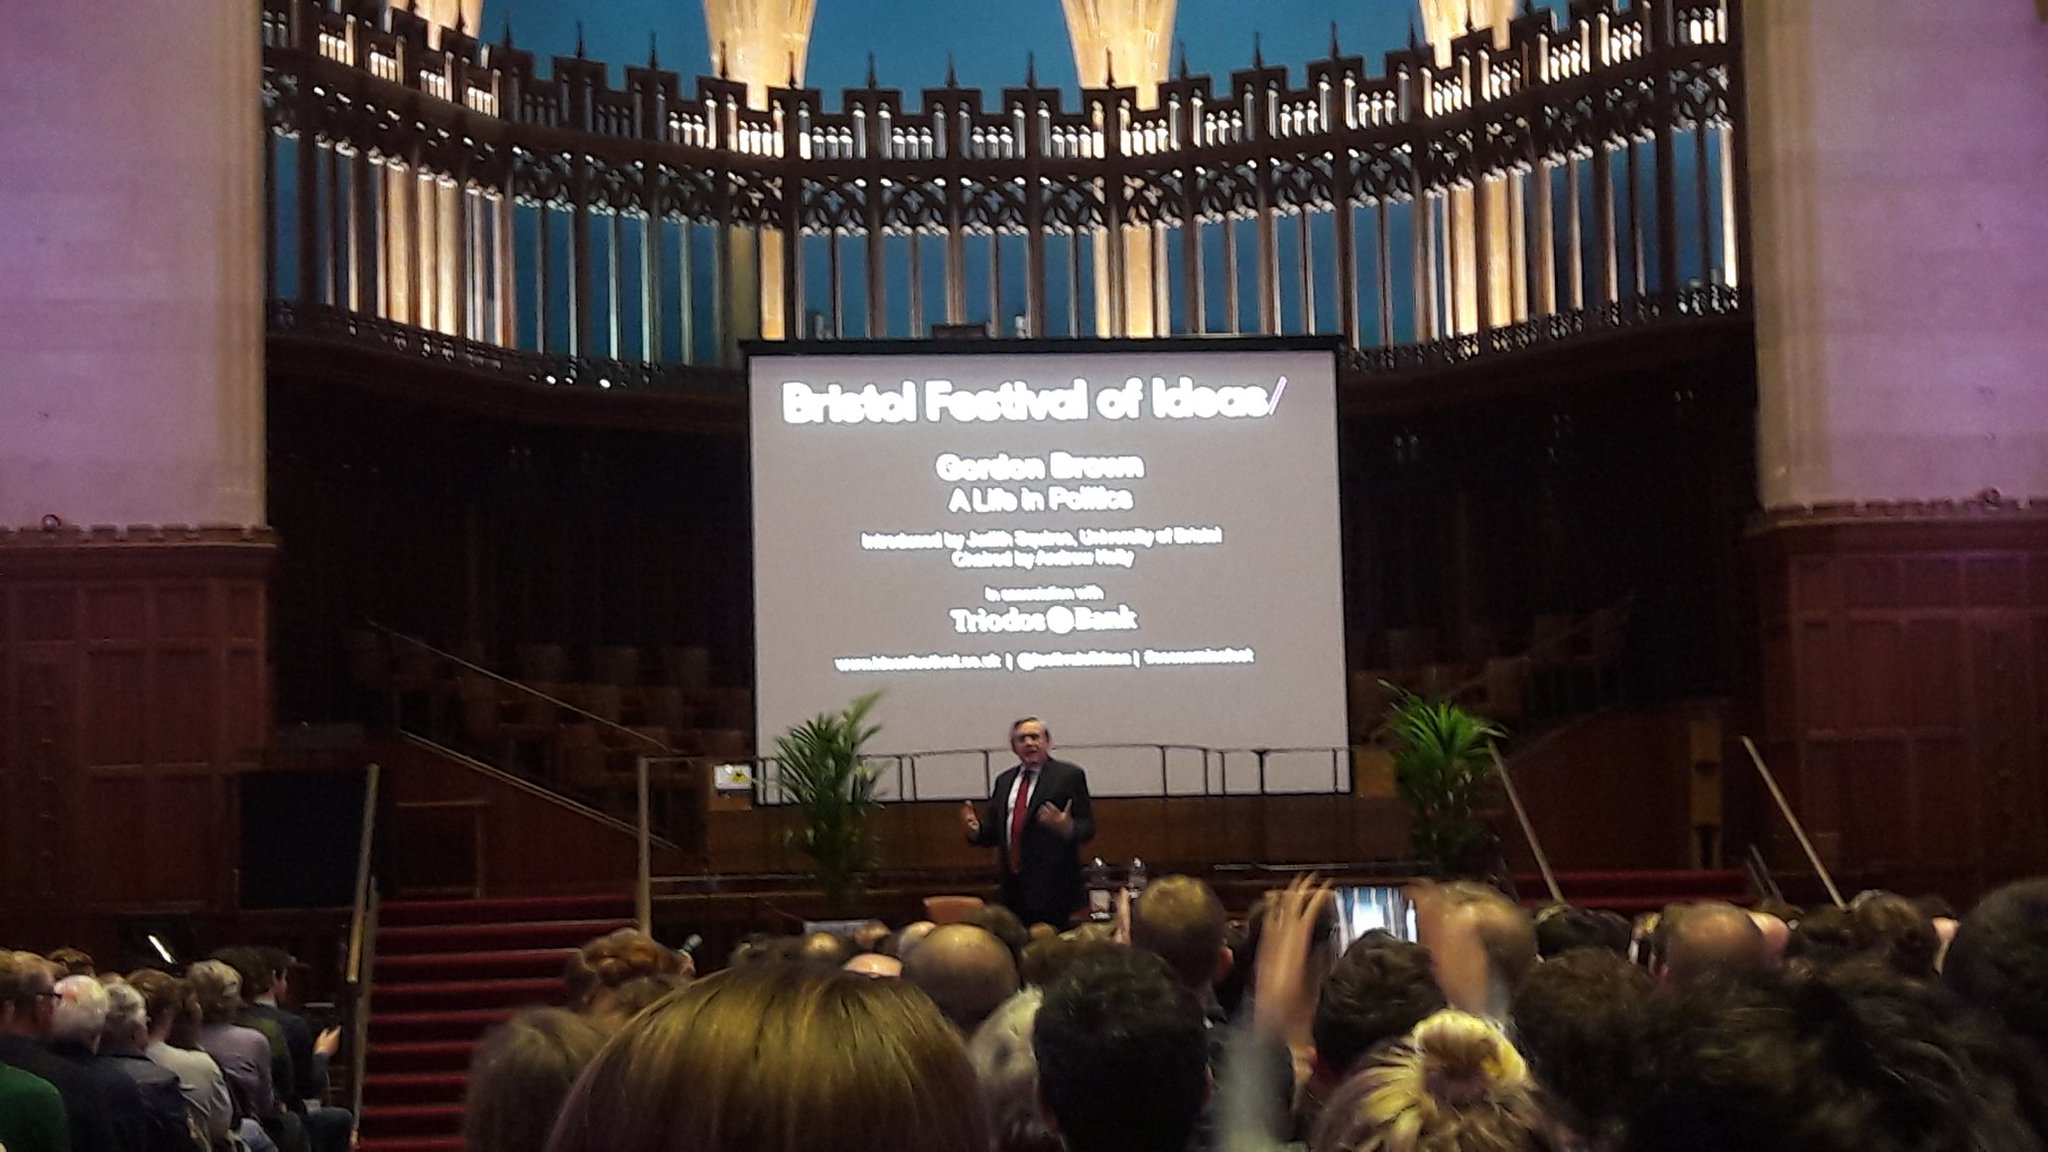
{"x": 835, "y": 790}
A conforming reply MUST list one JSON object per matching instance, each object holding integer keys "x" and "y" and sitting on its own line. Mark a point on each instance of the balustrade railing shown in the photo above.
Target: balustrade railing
{"x": 1582, "y": 175}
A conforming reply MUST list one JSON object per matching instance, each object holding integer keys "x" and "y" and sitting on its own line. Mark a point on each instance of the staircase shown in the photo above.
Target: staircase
{"x": 447, "y": 971}
{"x": 1630, "y": 893}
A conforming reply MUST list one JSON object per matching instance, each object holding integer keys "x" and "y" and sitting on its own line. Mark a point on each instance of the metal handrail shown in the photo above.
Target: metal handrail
{"x": 362, "y": 942}
{"x": 359, "y": 912}
{"x": 1798, "y": 829}
{"x": 1542, "y": 646}
{"x": 529, "y": 689}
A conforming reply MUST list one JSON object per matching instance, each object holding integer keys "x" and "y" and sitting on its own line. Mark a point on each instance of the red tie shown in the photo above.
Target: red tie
{"x": 1027, "y": 777}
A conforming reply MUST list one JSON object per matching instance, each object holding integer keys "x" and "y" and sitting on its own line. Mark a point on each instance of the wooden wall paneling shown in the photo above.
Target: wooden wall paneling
{"x": 1909, "y": 681}
{"x": 131, "y": 658}
{"x": 2003, "y": 722}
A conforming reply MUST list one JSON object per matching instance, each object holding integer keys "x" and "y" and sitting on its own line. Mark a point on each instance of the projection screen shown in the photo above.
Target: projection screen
{"x": 1140, "y": 546}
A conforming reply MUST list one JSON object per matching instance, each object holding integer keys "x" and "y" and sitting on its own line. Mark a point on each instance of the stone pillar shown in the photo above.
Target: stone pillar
{"x": 1134, "y": 38}
{"x": 1899, "y": 241}
{"x": 762, "y": 45}
{"x": 133, "y": 558}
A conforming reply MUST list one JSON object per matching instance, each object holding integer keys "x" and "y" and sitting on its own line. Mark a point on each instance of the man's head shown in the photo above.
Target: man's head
{"x": 875, "y": 964}
{"x": 965, "y": 970}
{"x": 1894, "y": 929}
{"x": 1999, "y": 959}
{"x": 1380, "y": 989}
{"x": 906, "y": 939}
{"x": 1576, "y": 1020}
{"x": 1123, "y": 1056}
{"x": 27, "y": 1001}
{"x": 1561, "y": 928}
{"x": 81, "y": 1012}
{"x": 1848, "y": 1057}
{"x": 253, "y": 968}
{"x": 828, "y": 949}
{"x": 1004, "y": 925}
{"x": 1708, "y": 941}
{"x": 1483, "y": 945}
{"x": 127, "y": 1026}
{"x": 1181, "y": 919}
{"x": 1031, "y": 740}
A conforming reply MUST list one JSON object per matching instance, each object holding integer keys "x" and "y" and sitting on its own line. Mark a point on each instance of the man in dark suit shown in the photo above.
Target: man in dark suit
{"x": 1038, "y": 815}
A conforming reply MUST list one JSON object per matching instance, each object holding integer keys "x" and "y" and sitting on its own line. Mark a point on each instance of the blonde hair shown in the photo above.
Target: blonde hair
{"x": 779, "y": 1058}
{"x": 1454, "y": 1085}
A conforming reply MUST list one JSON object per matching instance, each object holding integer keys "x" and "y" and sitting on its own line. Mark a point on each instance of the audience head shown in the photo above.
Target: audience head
{"x": 778, "y": 1057}
{"x": 1454, "y": 1085}
{"x": 252, "y": 969}
{"x": 1483, "y": 945}
{"x": 1824, "y": 936}
{"x": 1776, "y": 934}
{"x": 1893, "y": 929}
{"x": 1379, "y": 990}
{"x": 174, "y": 1014}
{"x": 1708, "y": 941}
{"x": 1047, "y": 960}
{"x": 1180, "y": 919}
{"x": 26, "y": 999}
{"x": 81, "y": 1011}
{"x": 825, "y": 949}
{"x": 72, "y": 962}
{"x": 1999, "y": 960}
{"x": 617, "y": 973}
{"x": 127, "y": 1024}
{"x": 1123, "y": 1055}
{"x": 1000, "y": 1051}
{"x": 1849, "y": 1057}
{"x": 218, "y": 988}
{"x": 1576, "y": 1022}
{"x": 521, "y": 1072}
{"x": 1561, "y": 928}
{"x": 875, "y": 964}
{"x": 908, "y": 937}
{"x": 965, "y": 970}
{"x": 1003, "y": 925}
{"x": 869, "y": 936}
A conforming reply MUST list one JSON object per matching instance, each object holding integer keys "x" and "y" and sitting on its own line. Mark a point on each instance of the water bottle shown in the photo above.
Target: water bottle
{"x": 1135, "y": 879}
{"x": 1101, "y": 905}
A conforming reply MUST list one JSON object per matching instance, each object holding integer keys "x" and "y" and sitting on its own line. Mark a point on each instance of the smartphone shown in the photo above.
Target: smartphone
{"x": 1362, "y": 908}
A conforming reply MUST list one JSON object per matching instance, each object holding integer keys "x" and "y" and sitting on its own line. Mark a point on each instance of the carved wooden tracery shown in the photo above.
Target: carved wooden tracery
{"x": 1569, "y": 127}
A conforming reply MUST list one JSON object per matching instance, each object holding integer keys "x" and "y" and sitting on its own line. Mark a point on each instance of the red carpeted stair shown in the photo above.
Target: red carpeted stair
{"x": 446, "y": 971}
{"x": 1632, "y": 892}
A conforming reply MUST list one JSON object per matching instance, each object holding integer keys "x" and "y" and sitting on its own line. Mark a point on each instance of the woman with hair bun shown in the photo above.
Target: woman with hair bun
{"x": 779, "y": 1058}
{"x": 1454, "y": 1085}
{"x": 615, "y": 975}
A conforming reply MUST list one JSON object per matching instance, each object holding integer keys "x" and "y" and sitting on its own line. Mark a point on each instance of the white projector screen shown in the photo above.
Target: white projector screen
{"x": 1140, "y": 547}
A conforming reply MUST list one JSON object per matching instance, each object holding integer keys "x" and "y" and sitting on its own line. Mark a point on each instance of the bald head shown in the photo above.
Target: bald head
{"x": 965, "y": 970}
{"x": 875, "y": 964}
{"x": 1711, "y": 941}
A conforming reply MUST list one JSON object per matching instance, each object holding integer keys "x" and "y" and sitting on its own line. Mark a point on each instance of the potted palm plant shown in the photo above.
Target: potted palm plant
{"x": 834, "y": 791}
{"x": 1443, "y": 774}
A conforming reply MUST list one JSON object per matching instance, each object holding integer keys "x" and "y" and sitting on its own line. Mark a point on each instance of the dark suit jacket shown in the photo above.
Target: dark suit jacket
{"x": 1048, "y": 886}
{"x": 85, "y": 1101}
{"x": 308, "y": 1076}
